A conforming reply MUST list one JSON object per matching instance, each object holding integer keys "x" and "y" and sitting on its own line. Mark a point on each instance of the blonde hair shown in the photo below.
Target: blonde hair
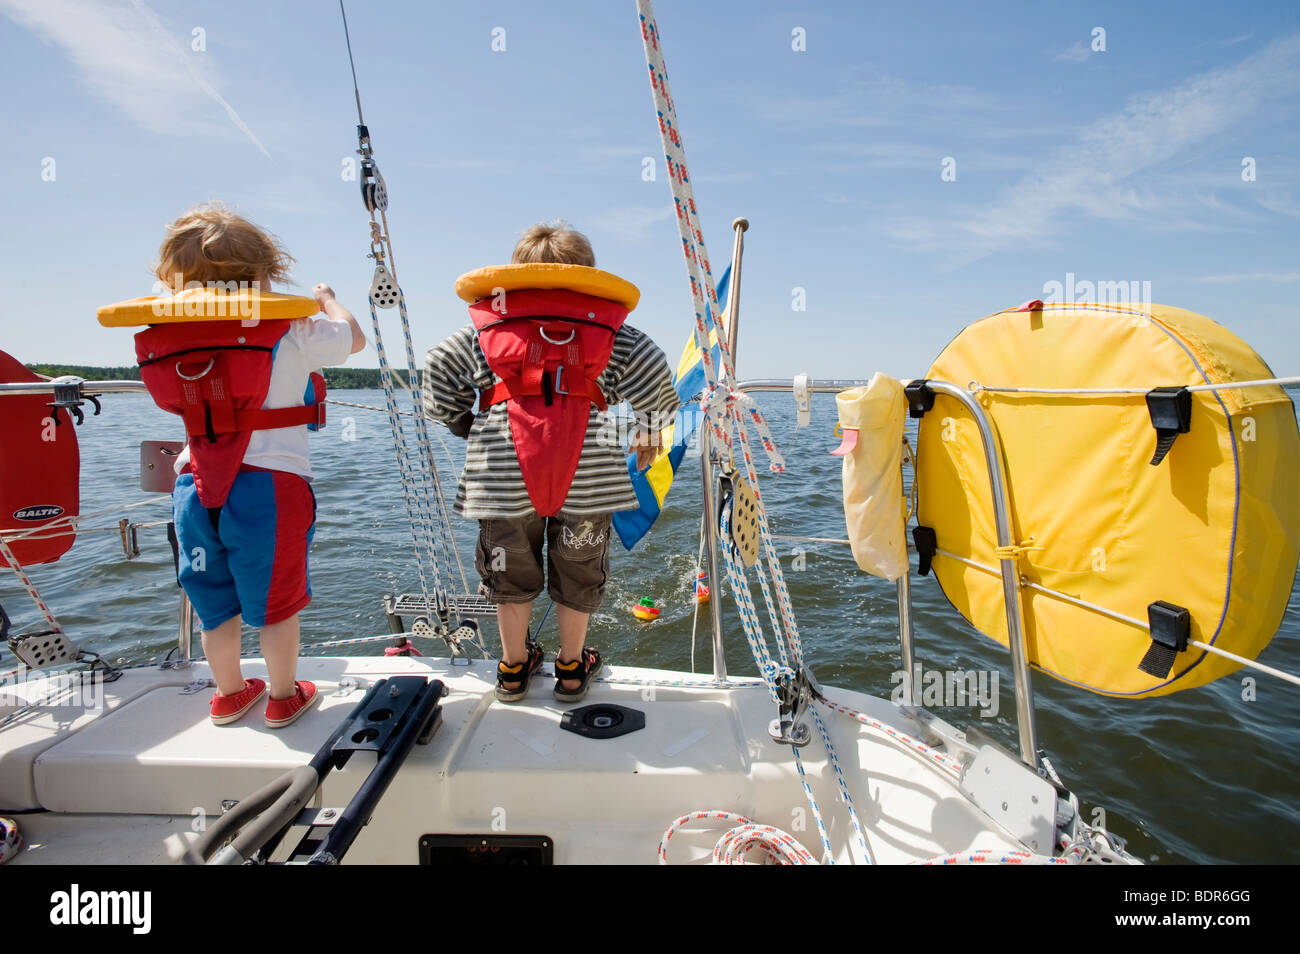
{"x": 210, "y": 243}
{"x": 554, "y": 242}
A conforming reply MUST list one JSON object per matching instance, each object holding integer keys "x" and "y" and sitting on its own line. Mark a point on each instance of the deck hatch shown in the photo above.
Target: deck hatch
{"x": 602, "y": 721}
{"x": 486, "y": 850}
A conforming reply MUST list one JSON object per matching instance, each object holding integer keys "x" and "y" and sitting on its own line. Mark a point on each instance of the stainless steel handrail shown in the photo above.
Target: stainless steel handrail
{"x": 88, "y": 388}
{"x": 711, "y": 545}
{"x": 1010, "y": 570}
{"x": 739, "y": 227}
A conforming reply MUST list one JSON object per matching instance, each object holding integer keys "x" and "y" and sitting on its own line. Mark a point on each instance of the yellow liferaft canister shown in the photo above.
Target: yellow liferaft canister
{"x": 1214, "y": 527}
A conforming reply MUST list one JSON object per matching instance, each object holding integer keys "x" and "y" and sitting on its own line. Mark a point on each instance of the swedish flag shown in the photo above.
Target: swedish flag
{"x": 651, "y": 485}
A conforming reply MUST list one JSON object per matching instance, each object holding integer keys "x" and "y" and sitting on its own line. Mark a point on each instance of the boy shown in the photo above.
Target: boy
{"x": 243, "y": 505}
{"x": 544, "y": 360}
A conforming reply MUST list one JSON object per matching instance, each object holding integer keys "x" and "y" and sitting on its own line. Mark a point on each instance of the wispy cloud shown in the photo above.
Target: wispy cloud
{"x": 1279, "y": 277}
{"x": 1279, "y": 201}
{"x": 1078, "y": 53}
{"x": 1098, "y": 173}
{"x": 866, "y": 98}
{"x": 630, "y": 221}
{"x": 126, "y": 55}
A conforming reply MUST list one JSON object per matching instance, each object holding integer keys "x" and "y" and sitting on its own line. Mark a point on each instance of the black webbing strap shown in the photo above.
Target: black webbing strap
{"x": 927, "y": 545}
{"x": 1171, "y": 627}
{"x": 1171, "y": 414}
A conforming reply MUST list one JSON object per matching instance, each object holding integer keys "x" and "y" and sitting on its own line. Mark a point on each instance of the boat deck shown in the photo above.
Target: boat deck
{"x": 127, "y": 781}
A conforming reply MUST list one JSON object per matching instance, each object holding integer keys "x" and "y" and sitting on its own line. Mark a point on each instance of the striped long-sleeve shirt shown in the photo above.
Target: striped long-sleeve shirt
{"x": 492, "y": 485}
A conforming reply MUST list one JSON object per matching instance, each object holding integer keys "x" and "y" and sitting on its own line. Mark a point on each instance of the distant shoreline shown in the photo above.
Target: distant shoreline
{"x": 339, "y": 379}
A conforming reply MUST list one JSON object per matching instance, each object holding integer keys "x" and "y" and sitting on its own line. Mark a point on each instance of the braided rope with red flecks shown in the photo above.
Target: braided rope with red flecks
{"x": 720, "y": 403}
{"x": 778, "y": 846}
{"x": 931, "y": 755}
{"x": 28, "y": 585}
{"x": 705, "y": 299}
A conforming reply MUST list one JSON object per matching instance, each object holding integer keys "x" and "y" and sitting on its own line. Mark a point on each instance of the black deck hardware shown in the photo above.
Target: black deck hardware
{"x": 927, "y": 545}
{"x": 394, "y": 716}
{"x": 371, "y": 728}
{"x": 602, "y": 720}
{"x": 1171, "y": 627}
{"x": 68, "y": 395}
{"x": 920, "y": 398}
{"x": 486, "y": 850}
{"x": 1171, "y": 414}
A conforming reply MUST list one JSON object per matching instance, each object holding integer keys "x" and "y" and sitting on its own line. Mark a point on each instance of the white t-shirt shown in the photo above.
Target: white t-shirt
{"x": 309, "y": 345}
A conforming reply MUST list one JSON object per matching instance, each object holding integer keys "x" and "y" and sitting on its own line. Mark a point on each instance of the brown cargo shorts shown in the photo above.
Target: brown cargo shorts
{"x": 509, "y": 559}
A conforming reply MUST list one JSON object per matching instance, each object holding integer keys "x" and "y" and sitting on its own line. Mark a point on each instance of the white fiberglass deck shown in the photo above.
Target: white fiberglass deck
{"x": 115, "y": 784}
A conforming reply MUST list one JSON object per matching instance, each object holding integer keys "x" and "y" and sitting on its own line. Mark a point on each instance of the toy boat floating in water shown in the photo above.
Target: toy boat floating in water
{"x": 646, "y": 609}
{"x": 702, "y": 588}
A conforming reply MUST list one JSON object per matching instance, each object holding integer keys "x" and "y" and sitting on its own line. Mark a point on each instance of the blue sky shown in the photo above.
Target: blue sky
{"x": 1115, "y": 165}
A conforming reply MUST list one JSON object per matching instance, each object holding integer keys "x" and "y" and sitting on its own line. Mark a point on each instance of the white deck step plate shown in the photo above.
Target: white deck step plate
{"x": 496, "y": 768}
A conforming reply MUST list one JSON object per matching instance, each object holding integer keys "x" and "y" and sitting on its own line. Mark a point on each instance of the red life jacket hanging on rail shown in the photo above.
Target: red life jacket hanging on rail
{"x": 40, "y": 469}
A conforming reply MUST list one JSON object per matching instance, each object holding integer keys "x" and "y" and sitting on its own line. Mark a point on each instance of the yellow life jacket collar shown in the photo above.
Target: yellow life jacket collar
{"x": 201, "y": 303}
{"x": 494, "y": 279}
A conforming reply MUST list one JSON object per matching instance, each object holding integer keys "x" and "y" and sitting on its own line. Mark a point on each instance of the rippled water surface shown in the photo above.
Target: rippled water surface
{"x": 1198, "y": 776}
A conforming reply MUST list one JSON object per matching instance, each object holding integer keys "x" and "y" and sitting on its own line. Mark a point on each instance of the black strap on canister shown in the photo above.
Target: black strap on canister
{"x": 1171, "y": 627}
{"x": 920, "y": 397}
{"x": 1171, "y": 414}
{"x": 927, "y": 545}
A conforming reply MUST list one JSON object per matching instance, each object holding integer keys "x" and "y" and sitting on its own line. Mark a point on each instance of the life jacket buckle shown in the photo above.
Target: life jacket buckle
{"x": 559, "y": 381}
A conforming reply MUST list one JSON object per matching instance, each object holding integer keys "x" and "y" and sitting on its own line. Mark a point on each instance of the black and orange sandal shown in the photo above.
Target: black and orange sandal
{"x": 582, "y": 669}
{"x": 512, "y": 681}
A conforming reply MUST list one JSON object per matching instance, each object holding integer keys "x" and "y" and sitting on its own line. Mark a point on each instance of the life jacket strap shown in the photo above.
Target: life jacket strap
{"x": 267, "y": 419}
{"x": 534, "y": 384}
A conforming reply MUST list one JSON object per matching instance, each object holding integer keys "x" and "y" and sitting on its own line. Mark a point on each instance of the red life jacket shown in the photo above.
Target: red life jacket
{"x": 549, "y": 350}
{"x": 215, "y": 375}
{"x": 40, "y": 469}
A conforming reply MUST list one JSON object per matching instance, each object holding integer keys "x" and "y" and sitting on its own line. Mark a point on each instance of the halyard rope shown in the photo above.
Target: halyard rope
{"x": 421, "y": 487}
{"x": 28, "y": 585}
{"x": 721, "y": 402}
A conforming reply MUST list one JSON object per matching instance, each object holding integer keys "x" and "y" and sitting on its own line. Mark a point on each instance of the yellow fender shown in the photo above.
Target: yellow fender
{"x": 871, "y": 419}
{"x": 1213, "y": 528}
{"x": 486, "y": 282}
{"x": 205, "y": 304}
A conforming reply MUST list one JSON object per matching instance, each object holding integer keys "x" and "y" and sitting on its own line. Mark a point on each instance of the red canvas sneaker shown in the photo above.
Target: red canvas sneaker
{"x": 227, "y": 709}
{"x": 282, "y": 712}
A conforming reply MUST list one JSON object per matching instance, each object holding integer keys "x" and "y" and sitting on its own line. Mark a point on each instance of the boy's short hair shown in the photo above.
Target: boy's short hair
{"x": 554, "y": 242}
{"x": 210, "y": 243}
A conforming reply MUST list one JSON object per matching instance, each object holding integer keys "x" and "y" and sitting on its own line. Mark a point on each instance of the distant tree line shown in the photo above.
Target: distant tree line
{"x": 343, "y": 379}
{"x": 335, "y": 378}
